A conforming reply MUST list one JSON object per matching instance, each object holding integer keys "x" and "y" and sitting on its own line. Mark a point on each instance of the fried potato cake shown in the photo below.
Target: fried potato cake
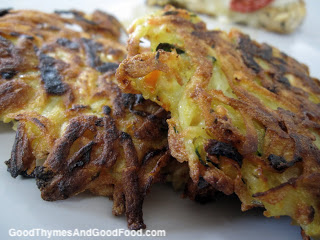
{"x": 37, "y": 82}
{"x": 244, "y": 115}
{"x": 76, "y": 131}
{"x": 280, "y": 16}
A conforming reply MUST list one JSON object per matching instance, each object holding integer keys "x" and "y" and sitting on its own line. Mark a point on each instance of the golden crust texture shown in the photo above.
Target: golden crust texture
{"x": 244, "y": 115}
{"x": 76, "y": 131}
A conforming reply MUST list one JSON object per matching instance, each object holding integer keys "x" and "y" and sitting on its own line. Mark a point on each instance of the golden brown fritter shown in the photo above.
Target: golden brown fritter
{"x": 244, "y": 115}
{"x": 76, "y": 130}
{"x": 46, "y": 68}
{"x": 277, "y": 16}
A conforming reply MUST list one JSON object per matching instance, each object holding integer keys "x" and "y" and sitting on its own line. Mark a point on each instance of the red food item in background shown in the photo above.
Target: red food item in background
{"x": 246, "y": 6}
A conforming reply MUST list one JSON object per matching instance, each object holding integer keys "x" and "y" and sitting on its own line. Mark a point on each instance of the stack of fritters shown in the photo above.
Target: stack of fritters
{"x": 76, "y": 130}
{"x": 245, "y": 116}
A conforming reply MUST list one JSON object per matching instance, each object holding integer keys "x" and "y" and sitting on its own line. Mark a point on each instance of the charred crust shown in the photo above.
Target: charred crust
{"x": 311, "y": 214}
{"x": 156, "y": 174}
{"x": 265, "y": 52}
{"x": 151, "y": 154}
{"x": 297, "y": 159}
{"x": 213, "y": 163}
{"x": 75, "y": 182}
{"x": 15, "y": 34}
{"x": 6, "y": 47}
{"x": 91, "y": 48}
{"x": 99, "y": 122}
{"x": 75, "y": 129}
{"x": 9, "y": 74}
{"x": 277, "y": 162}
{"x": 158, "y": 55}
{"x": 21, "y": 154}
{"x": 4, "y": 11}
{"x": 54, "y": 28}
{"x": 170, "y": 13}
{"x": 216, "y": 148}
{"x": 125, "y": 136}
{"x": 209, "y": 36}
{"x": 139, "y": 99}
{"x": 250, "y": 62}
{"x": 202, "y": 183}
{"x": 63, "y": 189}
{"x": 79, "y": 17}
{"x": 43, "y": 176}
{"x": 280, "y": 164}
{"x": 175, "y": 4}
{"x": 133, "y": 196}
{"x": 154, "y": 126}
{"x": 248, "y": 50}
{"x": 118, "y": 108}
{"x": 169, "y": 47}
{"x": 108, "y": 67}
{"x": 201, "y": 192}
{"x": 10, "y": 59}
{"x": 109, "y": 154}
{"x": 283, "y": 126}
{"x": 76, "y": 14}
{"x": 38, "y": 123}
{"x": 129, "y": 101}
{"x": 134, "y": 200}
{"x": 283, "y": 80}
{"x": 25, "y": 174}
{"x": 106, "y": 110}
{"x": 68, "y": 43}
{"x": 69, "y": 175}
{"x": 80, "y": 158}
{"x": 50, "y": 76}
{"x": 95, "y": 176}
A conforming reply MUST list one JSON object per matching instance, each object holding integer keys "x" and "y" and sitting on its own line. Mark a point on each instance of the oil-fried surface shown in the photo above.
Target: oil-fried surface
{"x": 76, "y": 130}
{"x": 245, "y": 116}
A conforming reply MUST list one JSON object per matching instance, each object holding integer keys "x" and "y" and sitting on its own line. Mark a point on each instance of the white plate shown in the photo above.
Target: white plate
{"x": 22, "y": 208}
